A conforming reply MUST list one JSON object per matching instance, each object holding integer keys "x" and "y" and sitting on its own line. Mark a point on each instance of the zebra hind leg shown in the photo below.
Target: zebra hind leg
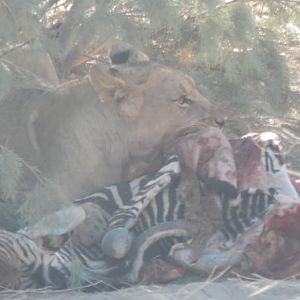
{"x": 118, "y": 240}
{"x": 174, "y": 229}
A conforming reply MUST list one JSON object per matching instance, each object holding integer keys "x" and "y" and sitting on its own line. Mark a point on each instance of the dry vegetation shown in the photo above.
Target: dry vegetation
{"x": 216, "y": 289}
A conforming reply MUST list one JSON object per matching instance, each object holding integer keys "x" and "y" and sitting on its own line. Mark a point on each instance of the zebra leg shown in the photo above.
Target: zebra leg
{"x": 148, "y": 238}
{"x": 117, "y": 241}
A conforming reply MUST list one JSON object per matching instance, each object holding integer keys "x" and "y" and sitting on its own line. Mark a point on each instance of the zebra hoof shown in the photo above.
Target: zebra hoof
{"x": 116, "y": 242}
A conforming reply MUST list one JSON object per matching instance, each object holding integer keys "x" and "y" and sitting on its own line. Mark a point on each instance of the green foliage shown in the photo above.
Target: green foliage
{"x": 32, "y": 207}
{"x": 11, "y": 168}
{"x": 244, "y": 30}
{"x": 19, "y": 210}
{"x": 18, "y": 20}
{"x": 215, "y": 30}
{"x": 6, "y": 80}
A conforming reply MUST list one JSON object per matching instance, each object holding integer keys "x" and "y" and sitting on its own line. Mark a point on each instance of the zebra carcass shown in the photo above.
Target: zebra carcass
{"x": 107, "y": 237}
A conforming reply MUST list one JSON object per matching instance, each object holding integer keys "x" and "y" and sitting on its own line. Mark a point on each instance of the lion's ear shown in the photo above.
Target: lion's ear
{"x": 114, "y": 90}
{"x": 121, "y": 53}
{"x": 108, "y": 83}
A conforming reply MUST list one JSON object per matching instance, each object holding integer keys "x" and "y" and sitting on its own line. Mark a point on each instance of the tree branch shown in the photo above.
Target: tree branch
{"x": 69, "y": 29}
{"x": 16, "y": 47}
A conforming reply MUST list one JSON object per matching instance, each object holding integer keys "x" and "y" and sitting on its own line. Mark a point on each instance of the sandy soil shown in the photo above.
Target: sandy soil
{"x": 230, "y": 289}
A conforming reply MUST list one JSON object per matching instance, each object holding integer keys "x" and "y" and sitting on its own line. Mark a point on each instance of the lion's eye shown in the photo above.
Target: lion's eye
{"x": 184, "y": 101}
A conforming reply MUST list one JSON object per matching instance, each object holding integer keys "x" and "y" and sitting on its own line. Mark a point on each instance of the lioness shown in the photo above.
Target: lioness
{"x": 109, "y": 127}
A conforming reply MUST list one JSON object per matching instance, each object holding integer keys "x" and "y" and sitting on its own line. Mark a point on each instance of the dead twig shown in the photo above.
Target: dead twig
{"x": 4, "y": 53}
{"x": 84, "y": 58}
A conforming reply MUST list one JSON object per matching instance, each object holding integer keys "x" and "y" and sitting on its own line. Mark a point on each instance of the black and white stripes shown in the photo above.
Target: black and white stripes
{"x": 20, "y": 261}
{"x": 240, "y": 213}
{"x": 137, "y": 206}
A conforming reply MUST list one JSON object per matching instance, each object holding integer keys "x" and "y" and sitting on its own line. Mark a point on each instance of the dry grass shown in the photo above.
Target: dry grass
{"x": 213, "y": 289}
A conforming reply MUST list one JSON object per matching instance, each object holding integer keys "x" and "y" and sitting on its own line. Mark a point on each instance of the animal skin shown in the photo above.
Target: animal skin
{"x": 259, "y": 164}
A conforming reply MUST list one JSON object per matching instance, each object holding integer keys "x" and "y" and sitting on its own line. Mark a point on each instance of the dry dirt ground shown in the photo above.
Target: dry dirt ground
{"x": 230, "y": 289}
